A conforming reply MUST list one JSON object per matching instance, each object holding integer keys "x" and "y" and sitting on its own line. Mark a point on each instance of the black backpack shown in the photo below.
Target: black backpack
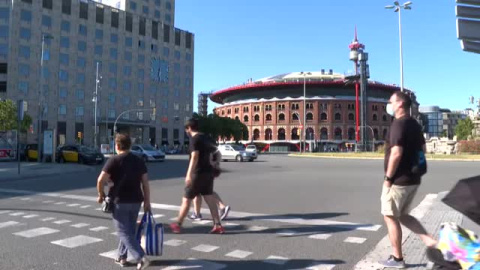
{"x": 419, "y": 164}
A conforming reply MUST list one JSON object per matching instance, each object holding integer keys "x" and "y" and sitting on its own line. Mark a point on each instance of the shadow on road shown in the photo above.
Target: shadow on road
{"x": 306, "y": 216}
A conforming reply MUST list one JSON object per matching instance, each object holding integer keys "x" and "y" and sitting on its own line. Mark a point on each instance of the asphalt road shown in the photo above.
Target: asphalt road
{"x": 287, "y": 213}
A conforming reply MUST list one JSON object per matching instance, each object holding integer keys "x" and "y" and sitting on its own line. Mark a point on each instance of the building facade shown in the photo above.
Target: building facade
{"x": 272, "y": 108}
{"x": 441, "y": 122}
{"x": 145, "y": 66}
{"x": 203, "y": 104}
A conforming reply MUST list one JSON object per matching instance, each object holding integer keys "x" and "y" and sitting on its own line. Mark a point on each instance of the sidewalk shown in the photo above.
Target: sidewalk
{"x": 431, "y": 212}
{"x": 9, "y": 171}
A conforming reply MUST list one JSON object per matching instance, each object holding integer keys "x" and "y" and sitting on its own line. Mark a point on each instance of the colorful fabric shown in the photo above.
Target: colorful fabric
{"x": 461, "y": 245}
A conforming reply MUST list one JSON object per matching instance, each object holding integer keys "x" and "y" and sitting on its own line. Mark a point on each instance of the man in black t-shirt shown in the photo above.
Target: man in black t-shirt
{"x": 199, "y": 178}
{"x": 403, "y": 144}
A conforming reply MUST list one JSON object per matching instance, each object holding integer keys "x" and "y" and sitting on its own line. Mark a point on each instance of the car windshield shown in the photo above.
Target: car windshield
{"x": 147, "y": 147}
{"x": 85, "y": 149}
{"x": 238, "y": 147}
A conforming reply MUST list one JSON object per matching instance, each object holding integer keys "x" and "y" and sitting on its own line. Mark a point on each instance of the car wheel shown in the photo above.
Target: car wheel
{"x": 239, "y": 158}
{"x": 250, "y": 160}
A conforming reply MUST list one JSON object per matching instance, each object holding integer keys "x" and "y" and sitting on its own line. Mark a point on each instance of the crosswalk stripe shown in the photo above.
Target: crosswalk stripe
{"x": 59, "y": 203}
{"x": 8, "y": 224}
{"x": 355, "y": 240}
{"x": 205, "y": 248}
{"x": 239, "y": 254}
{"x": 257, "y": 228}
{"x": 158, "y": 216}
{"x": 73, "y": 204}
{"x": 48, "y": 219}
{"x": 174, "y": 242}
{"x": 276, "y": 260}
{"x": 26, "y": 199}
{"x": 30, "y": 216}
{"x": 202, "y": 222}
{"x": 192, "y": 263}
{"x": 116, "y": 234}
{"x": 99, "y": 228}
{"x": 287, "y": 233}
{"x": 48, "y": 201}
{"x": 80, "y": 225}
{"x": 322, "y": 266}
{"x": 16, "y": 214}
{"x": 230, "y": 224}
{"x": 112, "y": 254}
{"x": 36, "y": 232}
{"x": 320, "y": 236}
{"x": 76, "y": 241}
{"x": 5, "y": 211}
{"x": 85, "y": 206}
{"x": 63, "y": 221}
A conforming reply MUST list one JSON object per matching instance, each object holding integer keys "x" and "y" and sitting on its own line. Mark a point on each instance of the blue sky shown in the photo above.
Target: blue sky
{"x": 238, "y": 40}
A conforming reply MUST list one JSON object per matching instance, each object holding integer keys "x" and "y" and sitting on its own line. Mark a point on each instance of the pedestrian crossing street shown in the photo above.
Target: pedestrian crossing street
{"x": 79, "y": 226}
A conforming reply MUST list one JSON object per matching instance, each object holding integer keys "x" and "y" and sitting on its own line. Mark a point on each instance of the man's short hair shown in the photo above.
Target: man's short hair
{"x": 404, "y": 98}
{"x": 192, "y": 123}
{"x": 123, "y": 142}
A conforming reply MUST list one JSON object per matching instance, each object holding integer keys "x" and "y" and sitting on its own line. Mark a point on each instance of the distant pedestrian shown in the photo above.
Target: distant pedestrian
{"x": 130, "y": 188}
{"x": 199, "y": 178}
{"x": 400, "y": 185}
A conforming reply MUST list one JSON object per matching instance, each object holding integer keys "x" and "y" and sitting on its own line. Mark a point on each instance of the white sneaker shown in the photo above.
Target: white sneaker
{"x": 143, "y": 264}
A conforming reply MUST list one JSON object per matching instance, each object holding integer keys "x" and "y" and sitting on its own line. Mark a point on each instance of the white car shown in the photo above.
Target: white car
{"x": 147, "y": 152}
{"x": 235, "y": 152}
{"x": 252, "y": 149}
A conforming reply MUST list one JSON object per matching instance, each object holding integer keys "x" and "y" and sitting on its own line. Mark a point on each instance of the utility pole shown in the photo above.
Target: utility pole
{"x": 95, "y": 99}
{"x": 364, "y": 75}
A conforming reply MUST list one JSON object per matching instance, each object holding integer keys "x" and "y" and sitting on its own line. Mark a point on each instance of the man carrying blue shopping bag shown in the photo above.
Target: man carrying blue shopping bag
{"x": 150, "y": 235}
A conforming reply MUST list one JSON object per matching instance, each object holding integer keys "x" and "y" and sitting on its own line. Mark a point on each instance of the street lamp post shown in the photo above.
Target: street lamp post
{"x": 398, "y": 8}
{"x": 40, "y": 98}
{"x": 95, "y": 100}
{"x": 304, "y": 109}
{"x": 299, "y": 120}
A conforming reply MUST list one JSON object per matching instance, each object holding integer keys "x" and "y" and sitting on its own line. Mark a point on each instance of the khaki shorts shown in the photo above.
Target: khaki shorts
{"x": 397, "y": 200}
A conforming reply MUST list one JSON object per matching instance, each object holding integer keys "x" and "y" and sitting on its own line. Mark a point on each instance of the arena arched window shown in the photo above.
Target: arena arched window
{"x": 256, "y": 134}
{"x": 256, "y": 118}
{"x": 268, "y": 134}
{"x": 351, "y": 117}
{"x": 323, "y": 116}
{"x": 338, "y": 133}
{"x": 323, "y": 134}
{"x": 281, "y": 134}
{"x": 245, "y": 118}
{"x": 309, "y": 116}
{"x": 295, "y": 116}
{"x": 268, "y": 117}
{"x": 236, "y": 118}
{"x": 293, "y": 106}
{"x": 384, "y": 118}
{"x": 338, "y": 117}
{"x": 351, "y": 134}
{"x": 295, "y": 134}
{"x": 310, "y": 134}
{"x": 281, "y": 117}
{"x": 375, "y": 117}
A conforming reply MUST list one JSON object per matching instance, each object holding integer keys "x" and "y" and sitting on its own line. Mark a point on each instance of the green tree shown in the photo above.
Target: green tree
{"x": 8, "y": 115}
{"x": 224, "y": 128}
{"x": 464, "y": 129}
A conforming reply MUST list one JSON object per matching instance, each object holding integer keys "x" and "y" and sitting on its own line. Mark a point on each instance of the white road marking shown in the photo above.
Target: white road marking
{"x": 76, "y": 241}
{"x": 205, "y": 248}
{"x": 320, "y": 236}
{"x": 239, "y": 254}
{"x": 355, "y": 240}
{"x": 48, "y": 219}
{"x": 16, "y": 214}
{"x": 30, "y": 216}
{"x": 321, "y": 266}
{"x": 192, "y": 263}
{"x": 80, "y": 225}
{"x": 85, "y": 206}
{"x": 174, "y": 242}
{"x": 26, "y": 199}
{"x": 112, "y": 254}
{"x": 59, "y": 203}
{"x": 73, "y": 204}
{"x": 158, "y": 216}
{"x": 8, "y": 224}
{"x": 257, "y": 228}
{"x": 116, "y": 234}
{"x": 100, "y": 228}
{"x": 48, "y": 201}
{"x": 36, "y": 232}
{"x": 5, "y": 211}
{"x": 287, "y": 233}
{"x": 98, "y": 209}
{"x": 202, "y": 222}
{"x": 276, "y": 260}
{"x": 63, "y": 221}
{"x": 230, "y": 224}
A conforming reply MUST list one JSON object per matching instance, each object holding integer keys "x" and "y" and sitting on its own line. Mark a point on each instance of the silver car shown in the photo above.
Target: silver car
{"x": 235, "y": 152}
{"x": 147, "y": 152}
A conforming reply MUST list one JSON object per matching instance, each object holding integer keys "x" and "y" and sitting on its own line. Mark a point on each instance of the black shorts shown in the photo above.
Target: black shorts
{"x": 202, "y": 184}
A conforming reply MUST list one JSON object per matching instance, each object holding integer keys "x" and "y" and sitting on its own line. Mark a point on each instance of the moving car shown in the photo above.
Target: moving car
{"x": 80, "y": 154}
{"x": 252, "y": 149}
{"x": 148, "y": 152}
{"x": 235, "y": 152}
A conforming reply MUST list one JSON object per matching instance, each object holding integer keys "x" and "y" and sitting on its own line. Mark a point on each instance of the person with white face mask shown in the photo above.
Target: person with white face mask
{"x": 403, "y": 144}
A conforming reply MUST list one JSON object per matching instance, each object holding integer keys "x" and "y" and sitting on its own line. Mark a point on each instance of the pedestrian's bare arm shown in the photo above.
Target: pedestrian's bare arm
{"x": 191, "y": 167}
{"x": 146, "y": 192}
{"x": 101, "y": 181}
{"x": 395, "y": 157}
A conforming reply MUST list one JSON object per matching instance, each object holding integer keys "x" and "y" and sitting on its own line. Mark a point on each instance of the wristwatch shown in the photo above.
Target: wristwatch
{"x": 386, "y": 178}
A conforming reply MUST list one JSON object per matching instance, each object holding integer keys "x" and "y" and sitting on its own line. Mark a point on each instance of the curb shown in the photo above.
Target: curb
{"x": 30, "y": 175}
{"x": 379, "y": 158}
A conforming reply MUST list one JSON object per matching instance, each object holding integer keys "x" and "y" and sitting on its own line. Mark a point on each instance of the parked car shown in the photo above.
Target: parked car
{"x": 148, "y": 152}
{"x": 235, "y": 152}
{"x": 80, "y": 154}
{"x": 252, "y": 149}
{"x": 29, "y": 152}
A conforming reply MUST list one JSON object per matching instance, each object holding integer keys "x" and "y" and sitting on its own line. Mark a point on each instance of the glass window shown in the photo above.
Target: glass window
{"x": 111, "y": 113}
{"x": 113, "y": 53}
{"x": 140, "y": 102}
{"x": 133, "y": 5}
{"x": 82, "y": 29}
{"x": 79, "y": 111}
{"x": 113, "y": 38}
{"x": 166, "y": 51}
{"x": 4, "y": 31}
{"x": 111, "y": 98}
{"x": 176, "y": 67}
{"x": 126, "y": 100}
{"x": 64, "y": 59}
{"x": 24, "y": 69}
{"x": 23, "y": 87}
{"x": 65, "y": 26}
{"x": 115, "y": 19}
{"x": 64, "y": 42}
{"x": 82, "y": 46}
{"x": 112, "y": 68}
{"x": 128, "y": 56}
{"x": 25, "y": 15}
{"x": 188, "y": 57}
{"x": 154, "y": 48}
{"x": 127, "y": 85}
{"x": 145, "y": 10}
{"x": 141, "y": 87}
{"x": 129, "y": 22}
{"x": 177, "y": 54}
{"x": 141, "y": 58}
{"x": 80, "y": 94}
{"x": 169, "y": 5}
{"x": 67, "y": 7}
{"x": 46, "y": 21}
{"x": 46, "y": 54}
{"x": 81, "y": 62}
{"x": 81, "y": 78}
{"x": 63, "y": 75}
{"x": 168, "y": 18}
{"x": 48, "y": 4}
{"x": 112, "y": 83}
{"x": 128, "y": 42}
{"x": 24, "y": 52}
{"x": 4, "y": 14}
{"x": 62, "y": 109}
{"x": 98, "y": 49}
{"x": 157, "y": 2}
{"x": 141, "y": 74}
{"x": 99, "y": 12}
{"x": 4, "y": 49}
{"x": 166, "y": 33}
{"x": 62, "y": 92}
{"x": 157, "y": 14}
{"x": 25, "y": 33}
{"x": 83, "y": 10}
{"x": 127, "y": 70}
{"x": 98, "y": 33}
{"x": 141, "y": 44}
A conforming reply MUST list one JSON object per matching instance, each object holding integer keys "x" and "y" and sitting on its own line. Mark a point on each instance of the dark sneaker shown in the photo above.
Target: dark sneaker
{"x": 121, "y": 261}
{"x": 391, "y": 263}
{"x": 224, "y": 212}
{"x": 196, "y": 217}
{"x": 217, "y": 229}
{"x": 144, "y": 263}
{"x": 175, "y": 228}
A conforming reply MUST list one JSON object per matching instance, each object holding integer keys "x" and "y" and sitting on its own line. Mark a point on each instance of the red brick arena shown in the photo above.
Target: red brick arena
{"x": 272, "y": 109}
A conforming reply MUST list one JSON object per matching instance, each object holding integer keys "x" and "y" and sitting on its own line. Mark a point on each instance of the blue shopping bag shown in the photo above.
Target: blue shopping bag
{"x": 150, "y": 235}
